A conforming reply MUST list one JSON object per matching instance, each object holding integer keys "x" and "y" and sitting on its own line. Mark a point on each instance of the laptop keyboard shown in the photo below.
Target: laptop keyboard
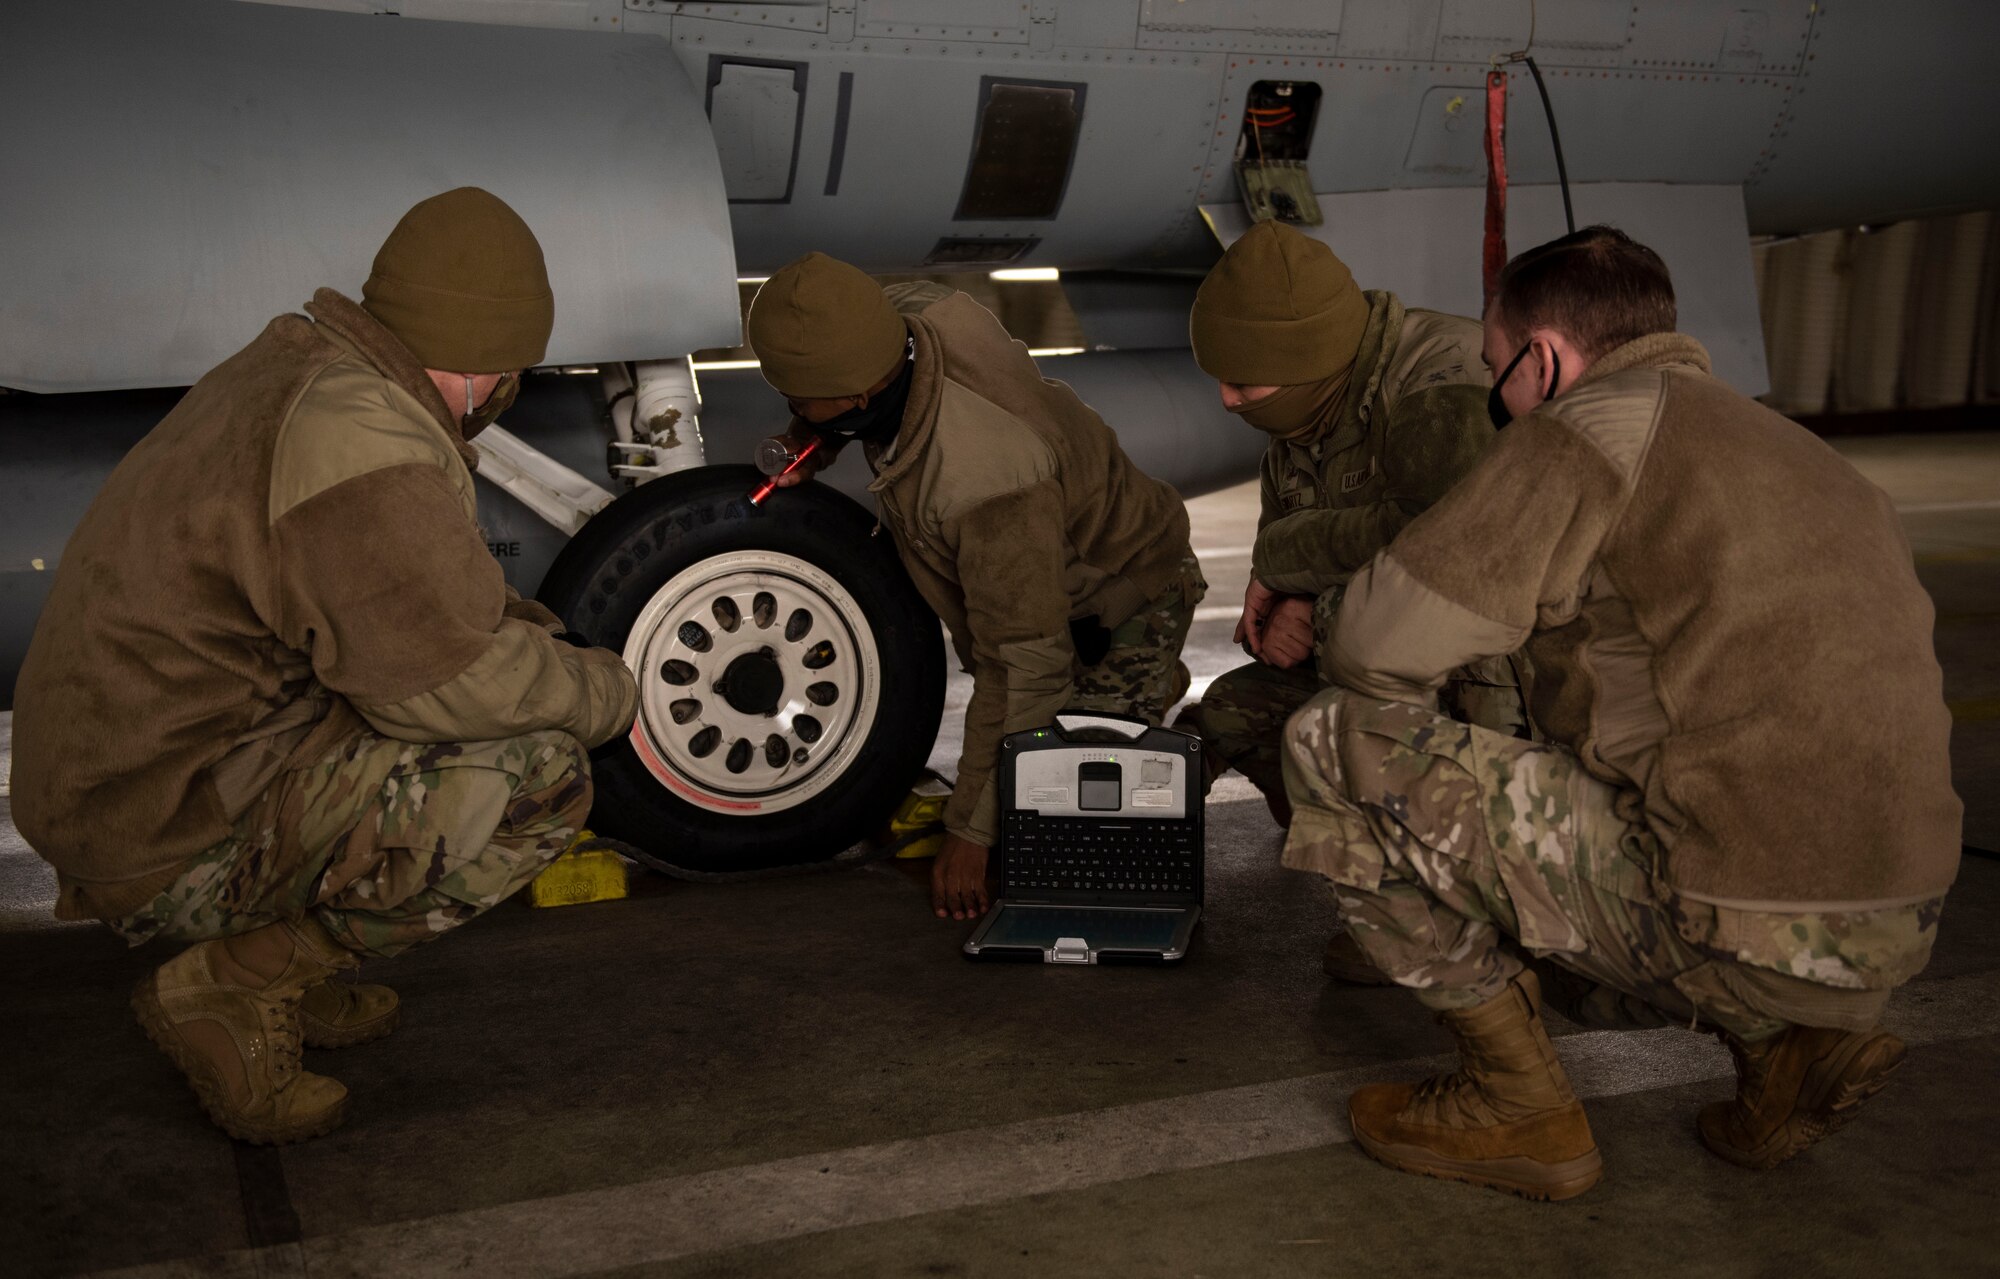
{"x": 1092, "y": 855}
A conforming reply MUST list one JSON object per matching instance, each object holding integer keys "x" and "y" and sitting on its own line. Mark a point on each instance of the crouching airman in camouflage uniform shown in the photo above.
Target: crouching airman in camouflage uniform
{"x": 280, "y": 704}
{"x": 1061, "y": 569}
{"x": 1744, "y": 818}
{"x": 1374, "y": 410}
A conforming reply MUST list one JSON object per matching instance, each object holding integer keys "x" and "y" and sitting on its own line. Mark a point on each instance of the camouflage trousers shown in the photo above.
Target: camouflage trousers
{"x": 1452, "y": 850}
{"x": 1242, "y": 716}
{"x": 388, "y": 843}
{"x": 1142, "y": 673}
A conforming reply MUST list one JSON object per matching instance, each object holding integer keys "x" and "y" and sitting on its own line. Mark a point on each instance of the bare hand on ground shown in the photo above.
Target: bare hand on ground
{"x": 958, "y": 880}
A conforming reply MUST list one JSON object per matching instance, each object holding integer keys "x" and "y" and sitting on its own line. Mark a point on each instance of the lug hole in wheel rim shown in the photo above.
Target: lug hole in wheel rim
{"x": 720, "y": 723}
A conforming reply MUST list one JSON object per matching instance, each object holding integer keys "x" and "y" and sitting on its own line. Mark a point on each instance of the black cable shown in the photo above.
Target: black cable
{"x": 1555, "y": 138}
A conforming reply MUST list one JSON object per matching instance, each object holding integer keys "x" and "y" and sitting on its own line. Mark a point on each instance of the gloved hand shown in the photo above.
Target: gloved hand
{"x": 612, "y": 700}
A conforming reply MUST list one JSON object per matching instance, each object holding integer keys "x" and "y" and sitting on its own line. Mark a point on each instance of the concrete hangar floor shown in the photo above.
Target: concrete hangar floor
{"x": 801, "y": 1077}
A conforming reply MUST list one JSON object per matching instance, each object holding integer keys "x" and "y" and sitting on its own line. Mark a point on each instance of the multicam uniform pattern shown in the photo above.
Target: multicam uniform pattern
{"x": 1243, "y": 714}
{"x": 388, "y": 843}
{"x": 1443, "y": 841}
{"x": 1142, "y": 673}
{"x": 1413, "y": 421}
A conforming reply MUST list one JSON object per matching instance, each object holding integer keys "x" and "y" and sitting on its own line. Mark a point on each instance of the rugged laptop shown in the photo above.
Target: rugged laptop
{"x": 1100, "y": 844}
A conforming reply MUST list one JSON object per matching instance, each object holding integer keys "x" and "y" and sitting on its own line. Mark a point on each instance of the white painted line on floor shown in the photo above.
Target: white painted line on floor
{"x": 1220, "y": 552}
{"x": 649, "y": 1222}
{"x": 1218, "y": 613}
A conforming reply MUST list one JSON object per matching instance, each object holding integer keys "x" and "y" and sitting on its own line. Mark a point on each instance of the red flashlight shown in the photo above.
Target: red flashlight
{"x": 770, "y": 486}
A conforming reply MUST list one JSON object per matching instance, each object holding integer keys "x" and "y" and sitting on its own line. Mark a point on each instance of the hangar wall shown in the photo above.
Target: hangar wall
{"x": 1880, "y": 319}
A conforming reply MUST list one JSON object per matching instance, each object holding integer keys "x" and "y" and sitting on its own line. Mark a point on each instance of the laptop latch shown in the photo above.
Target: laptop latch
{"x": 1070, "y": 950}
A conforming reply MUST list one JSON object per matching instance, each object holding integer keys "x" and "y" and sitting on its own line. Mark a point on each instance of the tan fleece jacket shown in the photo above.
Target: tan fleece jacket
{"x": 1014, "y": 511}
{"x": 1723, "y": 618}
{"x": 291, "y": 551}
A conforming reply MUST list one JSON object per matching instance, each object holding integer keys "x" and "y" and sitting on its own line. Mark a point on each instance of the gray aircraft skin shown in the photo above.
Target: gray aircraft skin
{"x": 194, "y": 166}
{"x": 179, "y": 172}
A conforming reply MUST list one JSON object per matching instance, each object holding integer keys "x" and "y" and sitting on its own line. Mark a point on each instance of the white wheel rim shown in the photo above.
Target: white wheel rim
{"x": 821, "y": 713}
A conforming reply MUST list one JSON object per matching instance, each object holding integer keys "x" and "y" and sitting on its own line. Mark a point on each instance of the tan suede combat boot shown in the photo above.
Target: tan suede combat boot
{"x": 227, "y": 1013}
{"x": 1793, "y": 1089}
{"x": 341, "y": 1014}
{"x": 1345, "y": 961}
{"x": 1506, "y": 1118}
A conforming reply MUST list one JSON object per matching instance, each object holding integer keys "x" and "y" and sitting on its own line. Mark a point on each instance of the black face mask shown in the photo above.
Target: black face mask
{"x": 475, "y": 420}
{"x": 1496, "y": 408}
{"x": 877, "y": 421}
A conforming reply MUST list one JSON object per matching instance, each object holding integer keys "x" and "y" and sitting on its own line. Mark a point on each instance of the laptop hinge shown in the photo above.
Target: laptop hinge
{"x": 1070, "y": 950}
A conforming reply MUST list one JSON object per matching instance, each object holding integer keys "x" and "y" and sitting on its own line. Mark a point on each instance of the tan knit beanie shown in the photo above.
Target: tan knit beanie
{"x": 461, "y": 282}
{"x": 822, "y": 329}
{"x": 1279, "y": 309}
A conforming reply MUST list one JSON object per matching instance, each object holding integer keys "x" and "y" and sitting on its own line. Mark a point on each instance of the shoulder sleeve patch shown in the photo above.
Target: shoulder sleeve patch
{"x": 979, "y": 451}
{"x": 350, "y": 421}
{"x": 1617, "y": 414}
{"x": 1435, "y": 349}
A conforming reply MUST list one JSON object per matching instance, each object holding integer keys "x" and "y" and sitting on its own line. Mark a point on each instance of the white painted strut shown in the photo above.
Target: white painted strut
{"x": 658, "y": 426}
{"x": 542, "y": 484}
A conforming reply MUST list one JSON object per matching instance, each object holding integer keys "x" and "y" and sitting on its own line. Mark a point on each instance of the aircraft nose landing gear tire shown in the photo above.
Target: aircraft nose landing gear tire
{"x": 790, "y": 677}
